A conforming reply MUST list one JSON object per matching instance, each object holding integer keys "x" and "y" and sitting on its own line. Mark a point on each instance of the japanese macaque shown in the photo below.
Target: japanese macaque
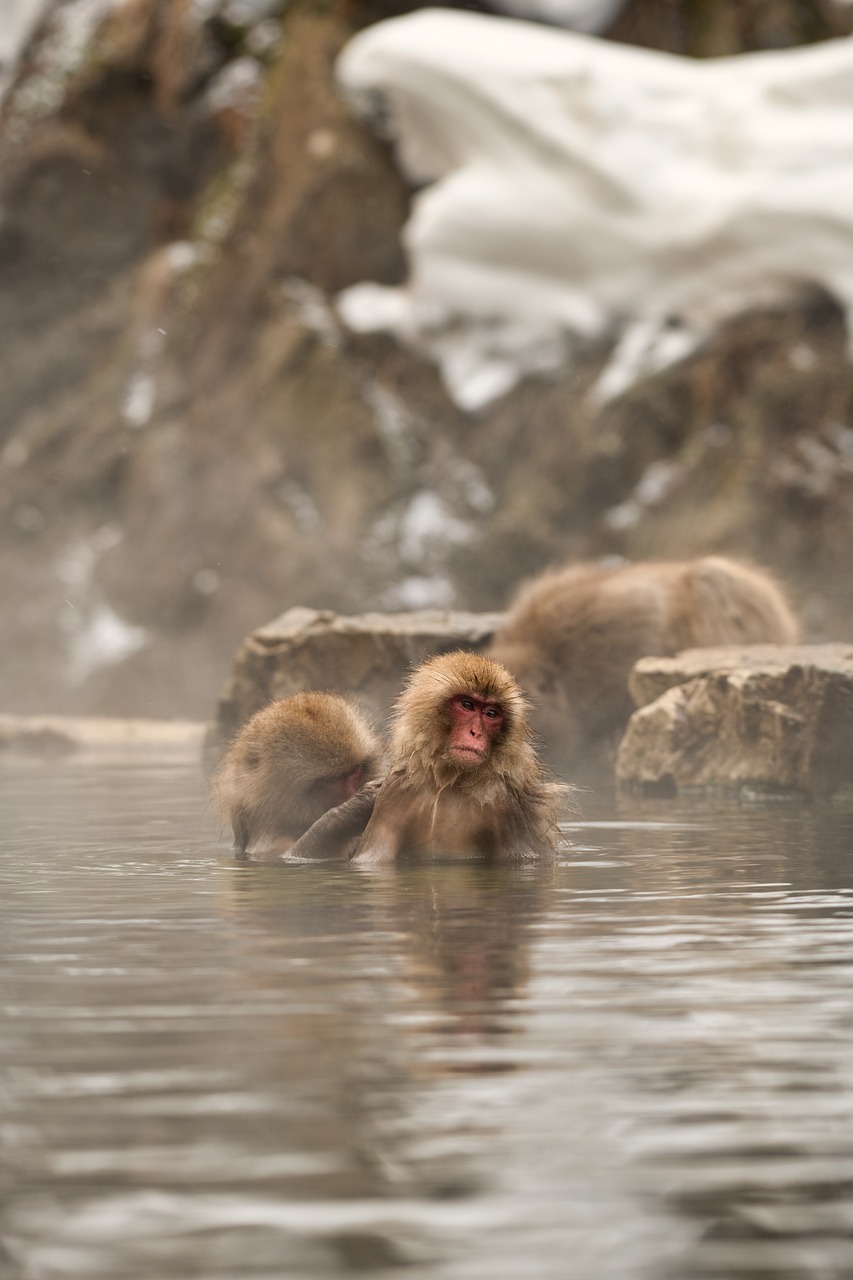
{"x": 294, "y": 759}
{"x": 572, "y": 636}
{"x": 464, "y": 779}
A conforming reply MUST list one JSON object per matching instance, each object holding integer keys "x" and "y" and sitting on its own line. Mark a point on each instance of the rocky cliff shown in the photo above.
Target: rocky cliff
{"x": 189, "y": 441}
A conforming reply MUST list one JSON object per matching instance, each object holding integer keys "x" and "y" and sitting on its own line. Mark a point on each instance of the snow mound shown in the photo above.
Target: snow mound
{"x": 576, "y": 190}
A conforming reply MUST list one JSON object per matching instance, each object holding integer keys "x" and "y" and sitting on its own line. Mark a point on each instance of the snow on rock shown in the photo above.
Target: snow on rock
{"x": 577, "y": 190}
{"x": 65, "y": 45}
{"x": 19, "y": 19}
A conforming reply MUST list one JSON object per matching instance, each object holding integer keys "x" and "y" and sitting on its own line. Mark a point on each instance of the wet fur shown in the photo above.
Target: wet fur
{"x": 430, "y": 804}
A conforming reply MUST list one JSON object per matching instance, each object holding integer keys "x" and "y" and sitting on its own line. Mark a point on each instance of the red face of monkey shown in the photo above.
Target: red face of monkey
{"x": 474, "y": 723}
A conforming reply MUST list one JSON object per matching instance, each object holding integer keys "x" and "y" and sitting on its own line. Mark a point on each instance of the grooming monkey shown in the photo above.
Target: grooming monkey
{"x": 573, "y": 634}
{"x": 288, "y": 764}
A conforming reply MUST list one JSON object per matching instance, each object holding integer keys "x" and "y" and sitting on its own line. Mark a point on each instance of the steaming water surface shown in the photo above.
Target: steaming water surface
{"x": 638, "y": 1063}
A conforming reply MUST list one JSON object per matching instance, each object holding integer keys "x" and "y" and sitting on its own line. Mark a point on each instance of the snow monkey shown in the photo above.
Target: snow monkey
{"x": 288, "y": 764}
{"x": 573, "y": 634}
{"x": 463, "y": 780}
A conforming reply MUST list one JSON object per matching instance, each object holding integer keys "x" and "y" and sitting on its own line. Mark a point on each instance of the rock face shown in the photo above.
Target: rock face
{"x": 770, "y": 717}
{"x": 189, "y": 441}
{"x": 367, "y": 656}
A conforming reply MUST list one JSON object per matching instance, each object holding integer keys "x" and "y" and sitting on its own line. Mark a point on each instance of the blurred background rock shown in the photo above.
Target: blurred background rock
{"x": 190, "y": 443}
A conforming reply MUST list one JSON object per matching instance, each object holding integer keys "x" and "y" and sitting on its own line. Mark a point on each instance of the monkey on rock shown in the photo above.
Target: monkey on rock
{"x": 574, "y": 633}
{"x": 464, "y": 779}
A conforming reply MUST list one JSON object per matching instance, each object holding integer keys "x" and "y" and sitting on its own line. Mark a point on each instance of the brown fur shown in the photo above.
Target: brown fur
{"x": 573, "y": 635}
{"x": 429, "y": 804}
{"x": 291, "y": 762}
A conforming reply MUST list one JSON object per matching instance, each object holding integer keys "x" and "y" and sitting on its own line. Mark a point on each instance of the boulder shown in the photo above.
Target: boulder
{"x": 366, "y": 655}
{"x": 52, "y": 736}
{"x": 774, "y": 718}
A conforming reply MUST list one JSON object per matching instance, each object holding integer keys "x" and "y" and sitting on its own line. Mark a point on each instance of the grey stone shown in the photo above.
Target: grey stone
{"x": 366, "y": 655}
{"x": 65, "y": 735}
{"x": 762, "y": 717}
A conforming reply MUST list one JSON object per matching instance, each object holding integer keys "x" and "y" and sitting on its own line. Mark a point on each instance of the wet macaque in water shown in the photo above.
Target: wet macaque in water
{"x": 572, "y": 636}
{"x": 291, "y": 762}
{"x": 464, "y": 778}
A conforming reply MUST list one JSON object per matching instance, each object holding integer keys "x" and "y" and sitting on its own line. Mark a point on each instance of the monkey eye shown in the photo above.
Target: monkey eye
{"x": 468, "y": 704}
{"x": 492, "y": 712}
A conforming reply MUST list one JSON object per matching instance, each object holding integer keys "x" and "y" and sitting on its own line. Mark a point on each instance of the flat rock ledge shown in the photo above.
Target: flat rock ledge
{"x": 763, "y": 718}
{"x": 366, "y": 656}
{"x": 53, "y": 736}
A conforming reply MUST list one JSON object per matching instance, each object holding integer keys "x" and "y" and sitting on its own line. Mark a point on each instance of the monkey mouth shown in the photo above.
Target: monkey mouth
{"x": 469, "y": 755}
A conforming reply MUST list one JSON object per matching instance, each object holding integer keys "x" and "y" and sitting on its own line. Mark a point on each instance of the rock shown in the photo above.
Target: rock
{"x": 766, "y": 717}
{"x": 64, "y": 735}
{"x": 367, "y": 655}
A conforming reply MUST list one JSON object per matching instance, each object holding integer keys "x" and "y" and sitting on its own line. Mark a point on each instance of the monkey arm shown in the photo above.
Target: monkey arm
{"x": 380, "y": 846}
{"x": 333, "y": 834}
{"x": 383, "y": 837}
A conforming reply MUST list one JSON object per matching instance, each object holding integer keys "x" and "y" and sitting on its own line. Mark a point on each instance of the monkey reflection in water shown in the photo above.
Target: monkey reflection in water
{"x": 464, "y": 779}
{"x": 290, "y": 762}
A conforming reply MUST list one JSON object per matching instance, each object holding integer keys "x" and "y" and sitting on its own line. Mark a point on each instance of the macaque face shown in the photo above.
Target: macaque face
{"x": 474, "y": 724}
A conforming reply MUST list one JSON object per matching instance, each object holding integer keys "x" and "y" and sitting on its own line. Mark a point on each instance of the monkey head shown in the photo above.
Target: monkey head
{"x": 293, "y": 760}
{"x": 460, "y": 714}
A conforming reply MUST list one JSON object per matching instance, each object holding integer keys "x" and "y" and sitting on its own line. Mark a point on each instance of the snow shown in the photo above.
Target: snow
{"x": 238, "y": 85}
{"x": 66, "y": 44}
{"x": 655, "y": 485}
{"x": 429, "y": 525}
{"x": 95, "y": 634}
{"x": 100, "y": 639}
{"x": 19, "y": 18}
{"x": 419, "y": 592}
{"x": 580, "y": 15}
{"x": 140, "y": 395}
{"x": 577, "y": 191}
{"x": 139, "y": 400}
{"x": 424, "y": 534}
